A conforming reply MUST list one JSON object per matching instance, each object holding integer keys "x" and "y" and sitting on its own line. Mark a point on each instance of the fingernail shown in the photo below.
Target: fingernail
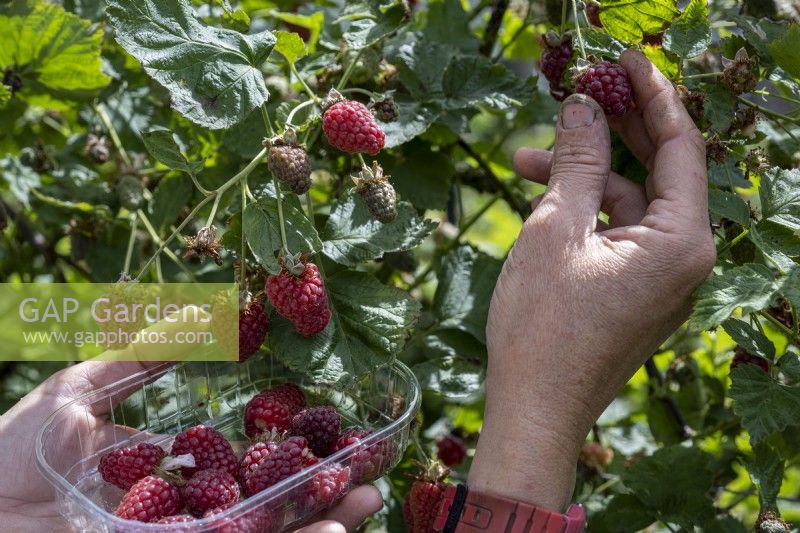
{"x": 576, "y": 115}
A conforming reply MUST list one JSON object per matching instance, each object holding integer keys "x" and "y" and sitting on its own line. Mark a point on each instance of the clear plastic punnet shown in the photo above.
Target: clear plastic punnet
{"x": 165, "y": 400}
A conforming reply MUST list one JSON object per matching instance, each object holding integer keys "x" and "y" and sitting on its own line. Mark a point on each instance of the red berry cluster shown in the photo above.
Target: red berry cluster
{"x": 300, "y": 297}
{"x": 220, "y": 477}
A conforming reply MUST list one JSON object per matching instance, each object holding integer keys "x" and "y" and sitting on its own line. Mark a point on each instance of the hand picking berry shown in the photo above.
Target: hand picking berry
{"x": 608, "y": 84}
{"x": 150, "y": 499}
{"x": 321, "y": 426}
{"x": 125, "y": 466}
{"x": 377, "y": 192}
{"x": 208, "y": 489}
{"x": 298, "y": 294}
{"x": 350, "y": 127}
{"x": 288, "y": 161}
{"x": 209, "y": 448}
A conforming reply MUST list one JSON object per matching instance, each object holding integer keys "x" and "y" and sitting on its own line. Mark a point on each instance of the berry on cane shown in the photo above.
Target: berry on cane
{"x": 350, "y": 127}
{"x": 288, "y": 161}
{"x": 298, "y": 294}
{"x": 377, "y": 192}
{"x": 608, "y": 84}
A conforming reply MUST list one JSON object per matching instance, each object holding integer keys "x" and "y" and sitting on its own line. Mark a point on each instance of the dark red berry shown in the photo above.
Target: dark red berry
{"x": 742, "y": 357}
{"x": 300, "y": 298}
{"x": 553, "y": 65}
{"x": 266, "y": 412}
{"x": 424, "y": 501}
{"x": 321, "y": 427}
{"x": 452, "y": 451}
{"x": 251, "y": 320}
{"x": 126, "y": 466}
{"x": 368, "y": 461}
{"x": 608, "y": 84}
{"x": 252, "y": 456}
{"x": 324, "y": 488}
{"x": 150, "y": 499}
{"x": 208, "y": 489}
{"x": 292, "y": 395}
{"x": 209, "y": 448}
{"x": 285, "y": 459}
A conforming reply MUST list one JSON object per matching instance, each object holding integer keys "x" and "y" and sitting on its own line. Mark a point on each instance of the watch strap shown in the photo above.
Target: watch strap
{"x": 469, "y": 511}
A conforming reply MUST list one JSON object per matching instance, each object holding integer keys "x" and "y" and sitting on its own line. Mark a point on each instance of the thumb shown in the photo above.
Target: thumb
{"x": 581, "y": 160}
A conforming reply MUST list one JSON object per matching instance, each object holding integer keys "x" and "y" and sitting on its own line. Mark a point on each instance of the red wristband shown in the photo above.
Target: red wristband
{"x": 485, "y": 513}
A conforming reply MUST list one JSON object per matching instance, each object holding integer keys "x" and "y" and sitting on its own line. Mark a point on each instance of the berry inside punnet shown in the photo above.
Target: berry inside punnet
{"x": 608, "y": 84}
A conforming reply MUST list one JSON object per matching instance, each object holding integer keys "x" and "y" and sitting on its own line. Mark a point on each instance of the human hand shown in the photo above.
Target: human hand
{"x": 580, "y": 305}
{"x": 27, "y": 500}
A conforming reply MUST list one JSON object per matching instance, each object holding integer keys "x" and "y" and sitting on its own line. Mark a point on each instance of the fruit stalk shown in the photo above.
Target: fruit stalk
{"x": 578, "y": 35}
{"x": 131, "y": 241}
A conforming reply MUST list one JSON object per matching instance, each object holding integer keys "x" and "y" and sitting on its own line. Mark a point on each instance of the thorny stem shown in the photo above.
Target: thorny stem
{"x": 131, "y": 241}
{"x": 578, "y": 28}
{"x": 314, "y": 98}
{"x": 493, "y": 26}
{"x": 112, "y": 132}
{"x": 218, "y": 192}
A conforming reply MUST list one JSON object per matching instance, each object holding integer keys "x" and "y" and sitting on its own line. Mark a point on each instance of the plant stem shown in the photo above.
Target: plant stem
{"x": 655, "y": 375}
{"x": 578, "y": 35}
{"x": 279, "y": 195}
{"x": 112, "y": 132}
{"x": 368, "y": 94}
{"x": 131, "y": 241}
{"x": 349, "y": 71}
{"x": 361, "y": 160}
{"x": 515, "y": 36}
{"x": 210, "y": 220}
{"x": 157, "y": 239}
{"x": 508, "y": 195}
{"x": 701, "y": 75}
{"x": 218, "y": 192}
{"x": 769, "y": 112}
{"x": 563, "y": 17}
{"x": 306, "y": 88}
{"x": 780, "y": 325}
{"x": 243, "y": 253}
{"x": 733, "y": 242}
{"x": 297, "y": 108}
{"x": 493, "y": 27}
{"x": 267, "y": 121}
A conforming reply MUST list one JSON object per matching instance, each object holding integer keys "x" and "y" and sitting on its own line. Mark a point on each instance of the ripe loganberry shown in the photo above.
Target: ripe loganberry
{"x": 150, "y": 499}
{"x": 298, "y": 294}
{"x": 290, "y": 394}
{"x": 266, "y": 412}
{"x": 556, "y": 54}
{"x": 176, "y": 519}
{"x": 252, "y": 456}
{"x": 451, "y": 450}
{"x": 321, "y": 427}
{"x": 125, "y": 466}
{"x": 743, "y": 357}
{"x": 350, "y": 127}
{"x": 425, "y": 499}
{"x": 368, "y": 462}
{"x": 285, "y": 459}
{"x": 251, "y": 320}
{"x": 288, "y": 161}
{"x": 608, "y": 84}
{"x": 209, "y": 448}
{"x": 208, "y": 489}
{"x": 377, "y": 192}
{"x": 258, "y": 520}
{"x": 324, "y": 488}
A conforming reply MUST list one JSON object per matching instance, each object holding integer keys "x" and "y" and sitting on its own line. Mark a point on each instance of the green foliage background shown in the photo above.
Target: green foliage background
{"x": 182, "y": 93}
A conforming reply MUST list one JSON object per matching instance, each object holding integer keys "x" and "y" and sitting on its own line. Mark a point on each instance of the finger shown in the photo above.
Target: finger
{"x": 678, "y": 179}
{"x": 581, "y": 161}
{"x": 633, "y": 132}
{"x": 356, "y": 507}
{"x": 325, "y": 526}
{"x": 623, "y": 201}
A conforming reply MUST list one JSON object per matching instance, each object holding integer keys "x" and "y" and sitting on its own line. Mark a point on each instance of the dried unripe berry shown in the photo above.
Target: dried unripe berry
{"x": 98, "y": 149}
{"x": 288, "y": 161}
{"x": 739, "y": 75}
{"x": 386, "y": 110}
{"x": 378, "y": 193}
{"x": 693, "y": 101}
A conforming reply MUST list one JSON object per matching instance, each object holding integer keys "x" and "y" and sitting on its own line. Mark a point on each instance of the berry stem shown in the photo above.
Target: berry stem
{"x": 368, "y": 94}
{"x": 131, "y": 240}
{"x": 578, "y": 35}
{"x": 112, "y": 132}
{"x": 733, "y": 242}
{"x": 361, "y": 160}
{"x": 279, "y": 195}
{"x": 243, "y": 254}
{"x": 700, "y": 76}
{"x": 210, "y": 220}
{"x": 563, "y": 17}
{"x": 314, "y": 98}
{"x": 779, "y": 325}
{"x": 297, "y": 108}
{"x": 764, "y": 93}
{"x": 267, "y": 121}
{"x": 217, "y": 192}
{"x": 349, "y": 71}
{"x": 769, "y": 112}
{"x": 157, "y": 240}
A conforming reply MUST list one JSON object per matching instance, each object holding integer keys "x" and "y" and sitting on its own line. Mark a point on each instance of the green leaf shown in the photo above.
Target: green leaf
{"x": 448, "y": 23}
{"x": 213, "y": 74}
{"x": 780, "y": 197}
{"x": 749, "y": 338}
{"x": 760, "y": 33}
{"x": 790, "y": 287}
{"x": 630, "y": 20}
{"x": 162, "y": 146}
{"x": 371, "y": 21}
{"x": 764, "y": 405}
{"x": 778, "y": 243}
{"x": 56, "y": 53}
{"x": 789, "y": 365}
{"x": 313, "y": 23}
{"x": 673, "y": 483}
{"x": 369, "y": 326}
{"x": 454, "y": 366}
{"x": 20, "y": 178}
{"x": 290, "y": 45}
{"x": 690, "y": 34}
{"x": 751, "y": 287}
{"x": 171, "y": 195}
{"x": 424, "y": 176}
{"x": 766, "y": 471}
{"x": 624, "y": 513}
{"x": 729, "y": 205}
{"x": 262, "y": 231}
{"x": 598, "y": 42}
{"x": 718, "y": 109}
{"x": 414, "y": 119}
{"x": 353, "y": 236}
{"x": 466, "y": 282}
{"x": 5, "y": 95}
{"x": 666, "y": 63}
{"x": 784, "y": 51}
{"x": 474, "y": 80}
{"x": 422, "y": 64}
